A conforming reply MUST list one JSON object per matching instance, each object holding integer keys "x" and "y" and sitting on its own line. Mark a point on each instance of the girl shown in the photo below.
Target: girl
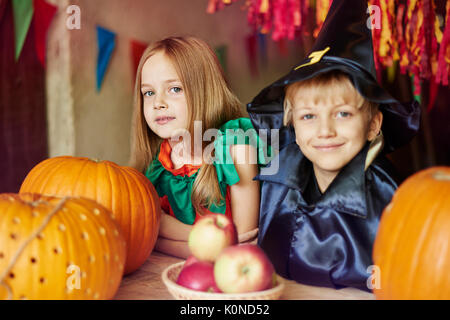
{"x": 180, "y": 81}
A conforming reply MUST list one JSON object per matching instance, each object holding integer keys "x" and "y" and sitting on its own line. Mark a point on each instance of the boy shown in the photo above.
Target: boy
{"x": 319, "y": 214}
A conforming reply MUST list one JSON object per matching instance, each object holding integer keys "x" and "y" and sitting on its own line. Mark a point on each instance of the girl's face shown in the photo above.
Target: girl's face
{"x": 329, "y": 133}
{"x": 164, "y": 100}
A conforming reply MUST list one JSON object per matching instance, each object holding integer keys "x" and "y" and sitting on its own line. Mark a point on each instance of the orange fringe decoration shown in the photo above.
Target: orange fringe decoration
{"x": 443, "y": 68}
{"x": 322, "y": 8}
{"x": 409, "y": 33}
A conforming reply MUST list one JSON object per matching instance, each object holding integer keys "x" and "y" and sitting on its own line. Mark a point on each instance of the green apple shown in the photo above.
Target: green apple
{"x": 210, "y": 235}
{"x": 243, "y": 268}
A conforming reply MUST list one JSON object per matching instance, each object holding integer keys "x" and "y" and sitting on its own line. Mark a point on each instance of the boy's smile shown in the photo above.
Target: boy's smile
{"x": 328, "y": 147}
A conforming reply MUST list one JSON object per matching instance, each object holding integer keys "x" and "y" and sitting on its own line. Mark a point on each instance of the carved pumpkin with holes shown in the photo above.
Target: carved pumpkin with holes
{"x": 129, "y": 195}
{"x": 412, "y": 246}
{"x": 58, "y": 248}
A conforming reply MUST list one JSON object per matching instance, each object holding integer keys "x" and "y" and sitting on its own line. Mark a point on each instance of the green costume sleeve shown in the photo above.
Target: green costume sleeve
{"x": 234, "y": 132}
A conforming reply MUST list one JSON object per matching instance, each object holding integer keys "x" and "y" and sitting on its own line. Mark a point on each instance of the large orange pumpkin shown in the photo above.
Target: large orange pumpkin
{"x": 412, "y": 246}
{"x": 129, "y": 195}
{"x": 58, "y": 248}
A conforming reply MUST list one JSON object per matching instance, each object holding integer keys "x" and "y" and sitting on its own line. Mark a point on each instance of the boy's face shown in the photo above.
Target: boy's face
{"x": 329, "y": 133}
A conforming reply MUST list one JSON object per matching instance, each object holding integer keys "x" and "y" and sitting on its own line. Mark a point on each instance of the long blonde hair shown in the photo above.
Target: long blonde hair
{"x": 209, "y": 100}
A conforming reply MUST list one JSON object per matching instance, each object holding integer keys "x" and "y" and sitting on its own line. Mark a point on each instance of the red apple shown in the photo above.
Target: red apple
{"x": 243, "y": 268}
{"x": 210, "y": 235}
{"x": 198, "y": 276}
{"x": 190, "y": 260}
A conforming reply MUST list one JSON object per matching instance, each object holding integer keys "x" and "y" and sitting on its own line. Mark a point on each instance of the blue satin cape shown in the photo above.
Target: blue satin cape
{"x": 327, "y": 243}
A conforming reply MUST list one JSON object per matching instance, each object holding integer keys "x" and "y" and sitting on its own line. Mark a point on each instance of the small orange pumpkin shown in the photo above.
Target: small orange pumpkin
{"x": 129, "y": 195}
{"x": 412, "y": 246}
{"x": 58, "y": 248}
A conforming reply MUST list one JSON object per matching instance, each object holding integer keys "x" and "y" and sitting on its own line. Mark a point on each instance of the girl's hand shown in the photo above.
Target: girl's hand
{"x": 173, "y": 229}
{"x": 174, "y": 248}
{"x": 249, "y": 237}
{"x": 173, "y": 236}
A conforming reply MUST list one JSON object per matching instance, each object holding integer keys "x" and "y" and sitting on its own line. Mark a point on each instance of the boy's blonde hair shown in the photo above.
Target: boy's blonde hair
{"x": 209, "y": 99}
{"x": 329, "y": 86}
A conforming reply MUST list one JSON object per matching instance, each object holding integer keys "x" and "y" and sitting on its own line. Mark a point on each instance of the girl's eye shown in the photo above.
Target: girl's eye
{"x": 307, "y": 117}
{"x": 148, "y": 93}
{"x": 176, "y": 89}
{"x": 343, "y": 114}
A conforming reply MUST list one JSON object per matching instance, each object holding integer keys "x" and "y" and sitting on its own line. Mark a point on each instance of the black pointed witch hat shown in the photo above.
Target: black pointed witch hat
{"x": 344, "y": 43}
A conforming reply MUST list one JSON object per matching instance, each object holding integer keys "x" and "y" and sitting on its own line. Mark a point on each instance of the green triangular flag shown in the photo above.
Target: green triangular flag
{"x": 23, "y": 13}
{"x": 221, "y": 53}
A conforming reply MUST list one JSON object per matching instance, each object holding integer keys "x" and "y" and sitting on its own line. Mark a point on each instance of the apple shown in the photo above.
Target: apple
{"x": 243, "y": 268}
{"x": 190, "y": 260}
{"x": 198, "y": 276}
{"x": 210, "y": 235}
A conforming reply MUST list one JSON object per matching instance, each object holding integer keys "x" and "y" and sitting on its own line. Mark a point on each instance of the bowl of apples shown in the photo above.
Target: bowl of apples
{"x": 221, "y": 269}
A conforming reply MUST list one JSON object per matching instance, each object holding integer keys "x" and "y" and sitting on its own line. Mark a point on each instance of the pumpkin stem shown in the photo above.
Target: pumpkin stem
{"x": 96, "y": 160}
{"x": 441, "y": 176}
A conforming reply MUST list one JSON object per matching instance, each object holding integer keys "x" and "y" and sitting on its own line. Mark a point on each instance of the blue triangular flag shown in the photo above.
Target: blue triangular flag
{"x": 106, "y": 43}
{"x": 262, "y": 44}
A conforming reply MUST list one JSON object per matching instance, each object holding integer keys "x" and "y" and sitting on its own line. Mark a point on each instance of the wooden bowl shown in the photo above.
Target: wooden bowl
{"x": 170, "y": 276}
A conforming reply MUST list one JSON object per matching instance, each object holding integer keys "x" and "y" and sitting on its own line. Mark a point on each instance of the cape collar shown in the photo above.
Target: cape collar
{"x": 347, "y": 192}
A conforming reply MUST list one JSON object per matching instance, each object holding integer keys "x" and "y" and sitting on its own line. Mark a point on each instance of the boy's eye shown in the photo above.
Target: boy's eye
{"x": 343, "y": 114}
{"x": 176, "y": 89}
{"x": 148, "y": 93}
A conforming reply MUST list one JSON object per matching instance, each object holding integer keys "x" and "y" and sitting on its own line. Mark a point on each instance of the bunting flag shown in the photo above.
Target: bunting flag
{"x": 106, "y": 41}
{"x": 43, "y": 16}
{"x": 221, "y": 53}
{"x": 23, "y": 14}
{"x": 137, "y": 48}
{"x": 262, "y": 45}
{"x": 250, "y": 44}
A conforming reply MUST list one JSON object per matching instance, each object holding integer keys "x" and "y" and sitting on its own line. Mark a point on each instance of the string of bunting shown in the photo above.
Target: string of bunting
{"x": 106, "y": 40}
{"x": 410, "y": 33}
{"x": 40, "y": 14}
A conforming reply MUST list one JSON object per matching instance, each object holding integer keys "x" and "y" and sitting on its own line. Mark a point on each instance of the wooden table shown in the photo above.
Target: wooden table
{"x": 146, "y": 284}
